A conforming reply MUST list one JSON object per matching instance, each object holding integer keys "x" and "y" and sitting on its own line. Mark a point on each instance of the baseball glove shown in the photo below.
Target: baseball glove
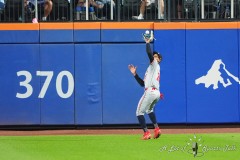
{"x": 148, "y": 35}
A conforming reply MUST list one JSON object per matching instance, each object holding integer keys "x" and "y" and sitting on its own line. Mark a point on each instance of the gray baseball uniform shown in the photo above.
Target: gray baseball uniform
{"x": 151, "y": 85}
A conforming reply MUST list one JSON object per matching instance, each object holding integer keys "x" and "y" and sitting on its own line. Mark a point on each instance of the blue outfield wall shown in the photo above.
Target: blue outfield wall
{"x": 77, "y": 73}
{"x": 171, "y": 44}
{"x": 57, "y": 63}
{"x": 220, "y": 54}
{"x": 19, "y": 33}
{"x": 120, "y": 90}
{"x": 88, "y": 84}
{"x": 16, "y": 61}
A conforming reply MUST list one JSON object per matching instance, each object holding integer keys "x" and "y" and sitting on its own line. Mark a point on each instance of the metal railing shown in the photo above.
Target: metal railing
{"x": 118, "y": 10}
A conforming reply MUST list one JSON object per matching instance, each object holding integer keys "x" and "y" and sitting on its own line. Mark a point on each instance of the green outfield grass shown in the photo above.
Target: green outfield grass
{"x": 119, "y": 147}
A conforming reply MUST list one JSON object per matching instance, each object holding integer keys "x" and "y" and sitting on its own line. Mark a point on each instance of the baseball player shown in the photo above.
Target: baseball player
{"x": 151, "y": 91}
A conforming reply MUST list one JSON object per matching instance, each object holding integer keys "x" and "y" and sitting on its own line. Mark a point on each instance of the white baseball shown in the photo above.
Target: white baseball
{"x": 147, "y": 32}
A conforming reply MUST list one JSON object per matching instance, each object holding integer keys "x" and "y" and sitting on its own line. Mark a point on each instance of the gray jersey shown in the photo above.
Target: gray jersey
{"x": 152, "y": 75}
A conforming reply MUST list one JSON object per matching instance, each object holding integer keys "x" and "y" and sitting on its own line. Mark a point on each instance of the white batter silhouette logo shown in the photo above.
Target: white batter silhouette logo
{"x": 213, "y": 76}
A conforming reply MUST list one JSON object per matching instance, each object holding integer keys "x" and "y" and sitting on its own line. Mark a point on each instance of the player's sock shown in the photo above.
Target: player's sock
{"x": 142, "y": 122}
{"x": 152, "y": 117}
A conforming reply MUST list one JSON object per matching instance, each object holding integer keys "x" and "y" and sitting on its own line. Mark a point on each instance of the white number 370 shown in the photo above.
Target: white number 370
{"x": 48, "y": 75}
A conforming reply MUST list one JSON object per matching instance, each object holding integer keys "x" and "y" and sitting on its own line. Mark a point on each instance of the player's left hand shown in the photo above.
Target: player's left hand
{"x": 133, "y": 69}
{"x": 148, "y": 37}
{"x": 161, "y": 96}
{"x": 147, "y": 40}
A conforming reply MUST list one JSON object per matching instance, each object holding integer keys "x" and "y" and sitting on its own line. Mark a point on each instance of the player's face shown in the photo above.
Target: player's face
{"x": 155, "y": 56}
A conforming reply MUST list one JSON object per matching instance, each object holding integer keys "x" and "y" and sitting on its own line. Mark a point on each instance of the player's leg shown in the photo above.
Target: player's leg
{"x": 157, "y": 130}
{"x": 141, "y": 109}
{"x": 152, "y": 115}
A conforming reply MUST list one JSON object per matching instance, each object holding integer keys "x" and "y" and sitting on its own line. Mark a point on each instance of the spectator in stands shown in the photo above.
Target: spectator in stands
{"x": 179, "y": 8}
{"x": 146, "y": 3}
{"x": 2, "y": 5}
{"x": 105, "y": 12}
{"x": 82, "y": 3}
{"x": 81, "y": 6}
{"x": 47, "y": 4}
{"x": 47, "y": 9}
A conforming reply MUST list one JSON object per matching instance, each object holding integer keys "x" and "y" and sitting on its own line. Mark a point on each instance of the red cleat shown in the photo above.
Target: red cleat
{"x": 146, "y": 136}
{"x": 157, "y": 133}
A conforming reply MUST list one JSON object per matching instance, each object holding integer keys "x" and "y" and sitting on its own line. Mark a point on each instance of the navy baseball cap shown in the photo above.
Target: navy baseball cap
{"x": 159, "y": 55}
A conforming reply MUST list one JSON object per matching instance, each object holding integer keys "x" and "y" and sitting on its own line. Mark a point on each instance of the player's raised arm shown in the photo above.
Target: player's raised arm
{"x": 149, "y": 50}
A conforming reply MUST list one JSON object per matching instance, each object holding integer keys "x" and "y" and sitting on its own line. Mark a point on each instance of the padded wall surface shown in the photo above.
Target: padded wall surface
{"x": 18, "y": 94}
{"x": 87, "y": 35}
{"x": 238, "y": 74}
{"x": 56, "y": 36}
{"x": 19, "y": 33}
{"x": 19, "y": 36}
{"x": 171, "y": 44}
{"x": 88, "y": 79}
{"x": 57, "y": 106}
{"x": 87, "y": 32}
{"x": 122, "y": 35}
{"x": 124, "y": 31}
{"x": 121, "y": 92}
{"x": 77, "y": 73}
{"x": 56, "y": 32}
{"x": 212, "y": 70}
